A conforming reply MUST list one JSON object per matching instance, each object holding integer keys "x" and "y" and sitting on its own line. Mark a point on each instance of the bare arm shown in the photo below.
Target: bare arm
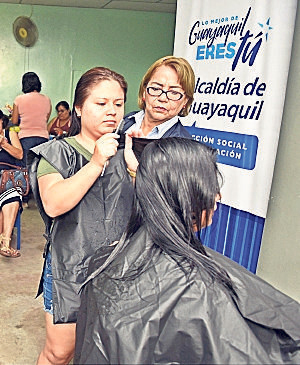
{"x": 60, "y": 195}
{"x": 48, "y": 115}
{"x": 15, "y": 148}
{"x": 15, "y": 115}
{"x": 50, "y": 124}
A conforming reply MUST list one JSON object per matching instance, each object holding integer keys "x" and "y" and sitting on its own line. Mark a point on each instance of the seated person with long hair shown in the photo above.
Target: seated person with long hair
{"x": 10, "y": 200}
{"x": 160, "y": 297}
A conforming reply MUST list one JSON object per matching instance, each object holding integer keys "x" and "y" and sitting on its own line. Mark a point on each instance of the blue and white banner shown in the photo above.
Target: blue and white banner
{"x": 240, "y": 52}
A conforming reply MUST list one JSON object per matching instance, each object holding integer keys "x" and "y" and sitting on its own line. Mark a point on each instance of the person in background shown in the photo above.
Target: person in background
{"x": 166, "y": 92}
{"x": 31, "y": 111}
{"x": 84, "y": 194}
{"x": 10, "y": 200}
{"x": 61, "y": 124}
{"x": 160, "y": 297}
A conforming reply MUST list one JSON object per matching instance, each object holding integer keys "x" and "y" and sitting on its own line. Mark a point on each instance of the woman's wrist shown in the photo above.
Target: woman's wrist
{"x": 98, "y": 167}
{"x": 131, "y": 172}
{"x": 132, "y": 165}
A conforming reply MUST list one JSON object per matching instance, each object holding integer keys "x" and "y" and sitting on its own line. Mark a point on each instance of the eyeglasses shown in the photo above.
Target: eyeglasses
{"x": 170, "y": 94}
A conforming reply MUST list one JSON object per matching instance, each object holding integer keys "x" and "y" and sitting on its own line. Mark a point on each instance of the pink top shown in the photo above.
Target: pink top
{"x": 34, "y": 110}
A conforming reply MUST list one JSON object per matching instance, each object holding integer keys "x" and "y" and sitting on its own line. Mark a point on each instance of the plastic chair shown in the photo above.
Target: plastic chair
{"x": 18, "y": 226}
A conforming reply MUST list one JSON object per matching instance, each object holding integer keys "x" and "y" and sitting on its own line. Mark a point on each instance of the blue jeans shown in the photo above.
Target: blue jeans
{"x": 27, "y": 143}
{"x": 47, "y": 285}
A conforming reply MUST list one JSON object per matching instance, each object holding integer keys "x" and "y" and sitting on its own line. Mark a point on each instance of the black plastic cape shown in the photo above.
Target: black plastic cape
{"x": 163, "y": 316}
{"x": 98, "y": 219}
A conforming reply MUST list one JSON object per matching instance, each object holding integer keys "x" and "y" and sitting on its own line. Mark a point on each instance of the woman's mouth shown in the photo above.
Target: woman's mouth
{"x": 111, "y": 123}
{"x": 160, "y": 109}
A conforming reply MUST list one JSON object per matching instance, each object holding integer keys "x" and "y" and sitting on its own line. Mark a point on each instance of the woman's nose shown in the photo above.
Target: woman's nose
{"x": 163, "y": 97}
{"x": 112, "y": 109}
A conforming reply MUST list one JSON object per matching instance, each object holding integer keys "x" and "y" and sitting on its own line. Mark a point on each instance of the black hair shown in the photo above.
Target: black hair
{"x": 63, "y": 103}
{"x": 176, "y": 181}
{"x": 5, "y": 119}
{"x": 31, "y": 82}
{"x": 83, "y": 89}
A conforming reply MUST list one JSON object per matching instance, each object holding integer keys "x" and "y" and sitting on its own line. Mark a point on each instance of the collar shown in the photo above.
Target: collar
{"x": 158, "y": 131}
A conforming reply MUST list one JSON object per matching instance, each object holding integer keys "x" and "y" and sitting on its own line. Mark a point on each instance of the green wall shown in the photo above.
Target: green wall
{"x": 72, "y": 40}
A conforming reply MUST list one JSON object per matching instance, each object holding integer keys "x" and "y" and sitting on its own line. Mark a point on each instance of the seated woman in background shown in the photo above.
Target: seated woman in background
{"x": 61, "y": 124}
{"x": 162, "y": 298}
{"x": 10, "y": 200}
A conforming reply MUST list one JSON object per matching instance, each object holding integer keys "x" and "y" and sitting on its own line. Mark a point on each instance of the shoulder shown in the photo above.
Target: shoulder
{"x": 19, "y": 98}
{"x": 53, "y": 150}
{"x": 60, "y": 154}
{"x": 177, "y": 130}
{"x": 129, "y": 120}
{"x": 131, "y": 114}
{"x": 42, "y": 97}
{"x": 52, "y": 121}
{"x": 45, "y": 97}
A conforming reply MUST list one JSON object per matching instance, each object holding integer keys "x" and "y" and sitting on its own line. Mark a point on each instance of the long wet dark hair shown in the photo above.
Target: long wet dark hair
{"x": 83, "y": 89}
{"x": 177, "y": 180}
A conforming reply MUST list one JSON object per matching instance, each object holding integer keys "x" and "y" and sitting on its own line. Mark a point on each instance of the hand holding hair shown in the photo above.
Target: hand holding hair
{"x": 131, "y": 160}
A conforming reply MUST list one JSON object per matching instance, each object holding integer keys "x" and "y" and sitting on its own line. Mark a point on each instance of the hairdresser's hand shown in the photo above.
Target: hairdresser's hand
{"x": 131, "y": 161}
{"x": 105, "y": 147}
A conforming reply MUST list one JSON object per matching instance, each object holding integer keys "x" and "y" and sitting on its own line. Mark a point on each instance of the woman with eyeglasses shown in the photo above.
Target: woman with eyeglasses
{"x": 60, "y": 124}
{"x": 166, "y": 92}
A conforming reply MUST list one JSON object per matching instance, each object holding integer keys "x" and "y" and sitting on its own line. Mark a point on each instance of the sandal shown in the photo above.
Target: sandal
{"x": 7, "y": 251}
{"x": 14, "y": 253}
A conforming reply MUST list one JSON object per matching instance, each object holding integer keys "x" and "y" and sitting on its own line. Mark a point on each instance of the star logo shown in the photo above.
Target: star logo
{"x": 266, "y": 28}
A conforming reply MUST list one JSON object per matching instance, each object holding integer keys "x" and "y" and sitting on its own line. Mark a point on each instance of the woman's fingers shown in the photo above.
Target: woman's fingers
{"x": 131, "y": 161}
{"x": 105, "y": 147}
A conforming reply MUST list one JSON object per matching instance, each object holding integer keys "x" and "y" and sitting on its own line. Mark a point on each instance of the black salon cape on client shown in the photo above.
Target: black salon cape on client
{"x": 161, "y": 315}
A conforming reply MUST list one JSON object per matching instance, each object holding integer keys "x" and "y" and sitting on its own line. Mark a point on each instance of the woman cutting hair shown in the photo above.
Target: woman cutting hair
{"x": 162, "y": 298}
{"x": 84, "y": 194}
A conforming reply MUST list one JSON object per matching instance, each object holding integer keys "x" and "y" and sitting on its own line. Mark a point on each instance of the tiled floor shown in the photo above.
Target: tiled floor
{"x": 22, "y": 330}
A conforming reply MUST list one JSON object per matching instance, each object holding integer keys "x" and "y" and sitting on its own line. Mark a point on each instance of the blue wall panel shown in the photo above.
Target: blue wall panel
{"x": 236, "y": 234}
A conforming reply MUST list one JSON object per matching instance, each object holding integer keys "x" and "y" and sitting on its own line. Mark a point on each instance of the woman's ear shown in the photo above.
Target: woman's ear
{"x": 78, "y": 111}
{"x": 144, "y": 95}
{"x": 206, "y": 218}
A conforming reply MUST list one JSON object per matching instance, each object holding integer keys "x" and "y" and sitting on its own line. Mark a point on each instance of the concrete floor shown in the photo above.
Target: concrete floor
{"x": 22, "y": 329}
